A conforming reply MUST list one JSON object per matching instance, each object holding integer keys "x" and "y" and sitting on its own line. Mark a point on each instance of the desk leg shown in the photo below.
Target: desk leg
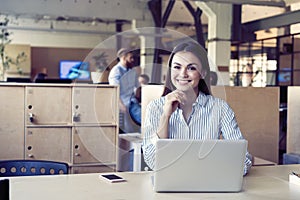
{"x": 137, "y": 157}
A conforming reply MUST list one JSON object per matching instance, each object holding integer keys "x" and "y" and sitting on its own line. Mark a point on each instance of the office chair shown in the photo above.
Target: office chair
{"x": 32, "y": 168}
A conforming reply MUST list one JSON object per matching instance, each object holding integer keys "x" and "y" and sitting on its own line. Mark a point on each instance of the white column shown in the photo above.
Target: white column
{"x": 219, "y": 35}
{"x": 147, "y": 41}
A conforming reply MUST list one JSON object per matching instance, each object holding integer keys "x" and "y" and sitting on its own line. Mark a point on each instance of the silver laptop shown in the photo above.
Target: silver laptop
{"x": 199, "y": 165}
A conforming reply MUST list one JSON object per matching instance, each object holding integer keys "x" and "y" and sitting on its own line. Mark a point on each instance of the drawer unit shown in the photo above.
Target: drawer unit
{"x": 94, "y": 145}
{"x": 95, "y": 105}
{"x": 48, "y": 144}
{"x": 72, "y": 123}
{"x": 48, "y": 105}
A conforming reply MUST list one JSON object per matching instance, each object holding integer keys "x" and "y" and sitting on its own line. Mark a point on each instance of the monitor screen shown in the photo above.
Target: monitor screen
{"x": 74, "y": 70}
{"x": 284, "y": 77}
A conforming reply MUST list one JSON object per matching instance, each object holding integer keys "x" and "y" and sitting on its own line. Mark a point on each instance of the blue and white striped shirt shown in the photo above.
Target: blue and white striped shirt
{"x": 210, "y": 118}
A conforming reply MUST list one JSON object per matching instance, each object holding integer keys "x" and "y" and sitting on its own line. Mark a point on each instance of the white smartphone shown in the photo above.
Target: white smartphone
{"x": 112, "y": 178}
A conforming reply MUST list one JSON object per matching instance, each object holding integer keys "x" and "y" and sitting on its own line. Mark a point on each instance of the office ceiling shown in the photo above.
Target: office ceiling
{"x": 251, "y": 10}
{"x": 179, "y": 12}
{"x": 179, "y": 16}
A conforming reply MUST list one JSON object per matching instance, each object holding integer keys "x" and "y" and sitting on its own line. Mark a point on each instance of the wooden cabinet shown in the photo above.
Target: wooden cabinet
{"x": 77, "y": 124}
{"x": 48, "y": 105}
{"x": 94, "y": 105}
{"x": 48, "y": 143}
{"x": 11, "y": 122}
{"x": 94, "y": 144}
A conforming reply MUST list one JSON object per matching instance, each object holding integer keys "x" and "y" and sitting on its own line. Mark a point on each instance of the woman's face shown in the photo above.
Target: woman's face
{"x": 186, "y": 70}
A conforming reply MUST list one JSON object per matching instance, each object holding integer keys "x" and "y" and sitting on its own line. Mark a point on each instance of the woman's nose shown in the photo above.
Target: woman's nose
{"x": 183, "y": 72}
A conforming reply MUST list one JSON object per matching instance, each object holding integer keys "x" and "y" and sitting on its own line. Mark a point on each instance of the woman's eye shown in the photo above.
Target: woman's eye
{"x": 192, "y": 68}
{"x": 176, "y": 67}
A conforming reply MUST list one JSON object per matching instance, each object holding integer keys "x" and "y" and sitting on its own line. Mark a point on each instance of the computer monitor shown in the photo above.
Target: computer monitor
{"x": 72, "y": 69}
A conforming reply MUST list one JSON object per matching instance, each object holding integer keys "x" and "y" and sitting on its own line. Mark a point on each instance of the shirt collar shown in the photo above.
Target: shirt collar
{"x": 123, "y": 67}
{"x": 202, "y": 99}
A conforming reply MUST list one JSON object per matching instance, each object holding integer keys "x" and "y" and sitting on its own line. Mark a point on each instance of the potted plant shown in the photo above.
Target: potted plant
{"x": 6, "y": 61}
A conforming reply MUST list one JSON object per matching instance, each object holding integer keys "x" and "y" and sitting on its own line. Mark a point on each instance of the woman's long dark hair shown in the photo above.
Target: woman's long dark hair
{"x": 201, "y": 54}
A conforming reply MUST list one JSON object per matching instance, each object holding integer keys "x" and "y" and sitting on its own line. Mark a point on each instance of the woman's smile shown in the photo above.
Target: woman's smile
{"x": 183, "y": 81}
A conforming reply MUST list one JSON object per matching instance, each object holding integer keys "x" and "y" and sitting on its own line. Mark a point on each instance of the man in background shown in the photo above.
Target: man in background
{"x": 123, "y": 75}
{"x": 41, "y": 75}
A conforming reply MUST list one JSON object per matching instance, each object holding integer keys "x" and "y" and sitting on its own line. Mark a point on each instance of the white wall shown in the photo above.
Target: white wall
{"x": 72, "y": 35}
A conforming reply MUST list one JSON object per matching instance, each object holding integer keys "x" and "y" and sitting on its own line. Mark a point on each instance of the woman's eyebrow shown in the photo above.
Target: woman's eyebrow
{"x": 191, "y": 64}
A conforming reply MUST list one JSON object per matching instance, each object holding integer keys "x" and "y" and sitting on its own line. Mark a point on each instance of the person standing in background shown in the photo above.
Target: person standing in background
{"x": 41, "y": 75}
{"x": 135, "y": 109}
{"x": 143, "y": 79}
{"x": 123, "y": 75}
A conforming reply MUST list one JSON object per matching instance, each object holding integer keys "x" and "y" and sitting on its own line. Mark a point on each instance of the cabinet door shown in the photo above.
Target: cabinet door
{"x": 95, "y": 105}
{"x": 48, "y": 144}
{"x": 12, "y": 122}
{"x": 48, "y": 105}
{"x": 94, "y": 145}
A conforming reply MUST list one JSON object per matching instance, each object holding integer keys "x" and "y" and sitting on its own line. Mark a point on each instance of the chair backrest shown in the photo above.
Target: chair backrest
{"x": 32, "y": 167}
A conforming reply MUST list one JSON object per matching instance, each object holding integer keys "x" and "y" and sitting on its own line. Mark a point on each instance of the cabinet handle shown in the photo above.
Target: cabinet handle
{"x": 30, "y": 155}
{"x": 76, "y": 117}
{"x": 31, "y": 115}
{"x": 77, "y": 154}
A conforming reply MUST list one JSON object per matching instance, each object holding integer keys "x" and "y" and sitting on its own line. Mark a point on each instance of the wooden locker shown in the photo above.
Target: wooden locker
{"x": 95, "y": 105}
{"x": 94, "y": 145}
{"x": 12, "y": 122}
{"x": 48, "y": 105}
{"x": 48, "y": 143}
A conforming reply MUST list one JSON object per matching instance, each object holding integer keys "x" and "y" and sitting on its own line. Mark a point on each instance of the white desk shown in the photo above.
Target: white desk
{"x": 135, "y": 142}
{"x": 265, "y": 182}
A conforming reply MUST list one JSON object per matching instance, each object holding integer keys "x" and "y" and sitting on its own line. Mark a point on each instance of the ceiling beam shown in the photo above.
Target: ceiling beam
{"x": 281, "y": 20}
{"x": 277, "y": 3}
{"x": 108, "y": 33}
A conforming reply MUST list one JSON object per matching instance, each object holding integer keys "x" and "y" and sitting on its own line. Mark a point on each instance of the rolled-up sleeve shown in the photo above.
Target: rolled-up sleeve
{"x": 114, "y": 76}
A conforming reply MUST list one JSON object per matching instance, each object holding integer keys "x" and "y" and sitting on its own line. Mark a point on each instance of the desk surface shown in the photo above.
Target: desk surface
{"x": 263, "y": 182}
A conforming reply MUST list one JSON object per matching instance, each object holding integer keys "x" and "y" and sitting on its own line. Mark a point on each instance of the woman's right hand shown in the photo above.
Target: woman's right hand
{"x": 173, "y": 99}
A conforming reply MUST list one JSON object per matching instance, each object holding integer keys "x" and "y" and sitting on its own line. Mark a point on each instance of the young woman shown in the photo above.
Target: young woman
{"x": 187, "y": 110}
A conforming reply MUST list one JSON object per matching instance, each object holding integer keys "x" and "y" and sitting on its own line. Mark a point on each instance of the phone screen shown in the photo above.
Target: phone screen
{"x": 113, "y": 177}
